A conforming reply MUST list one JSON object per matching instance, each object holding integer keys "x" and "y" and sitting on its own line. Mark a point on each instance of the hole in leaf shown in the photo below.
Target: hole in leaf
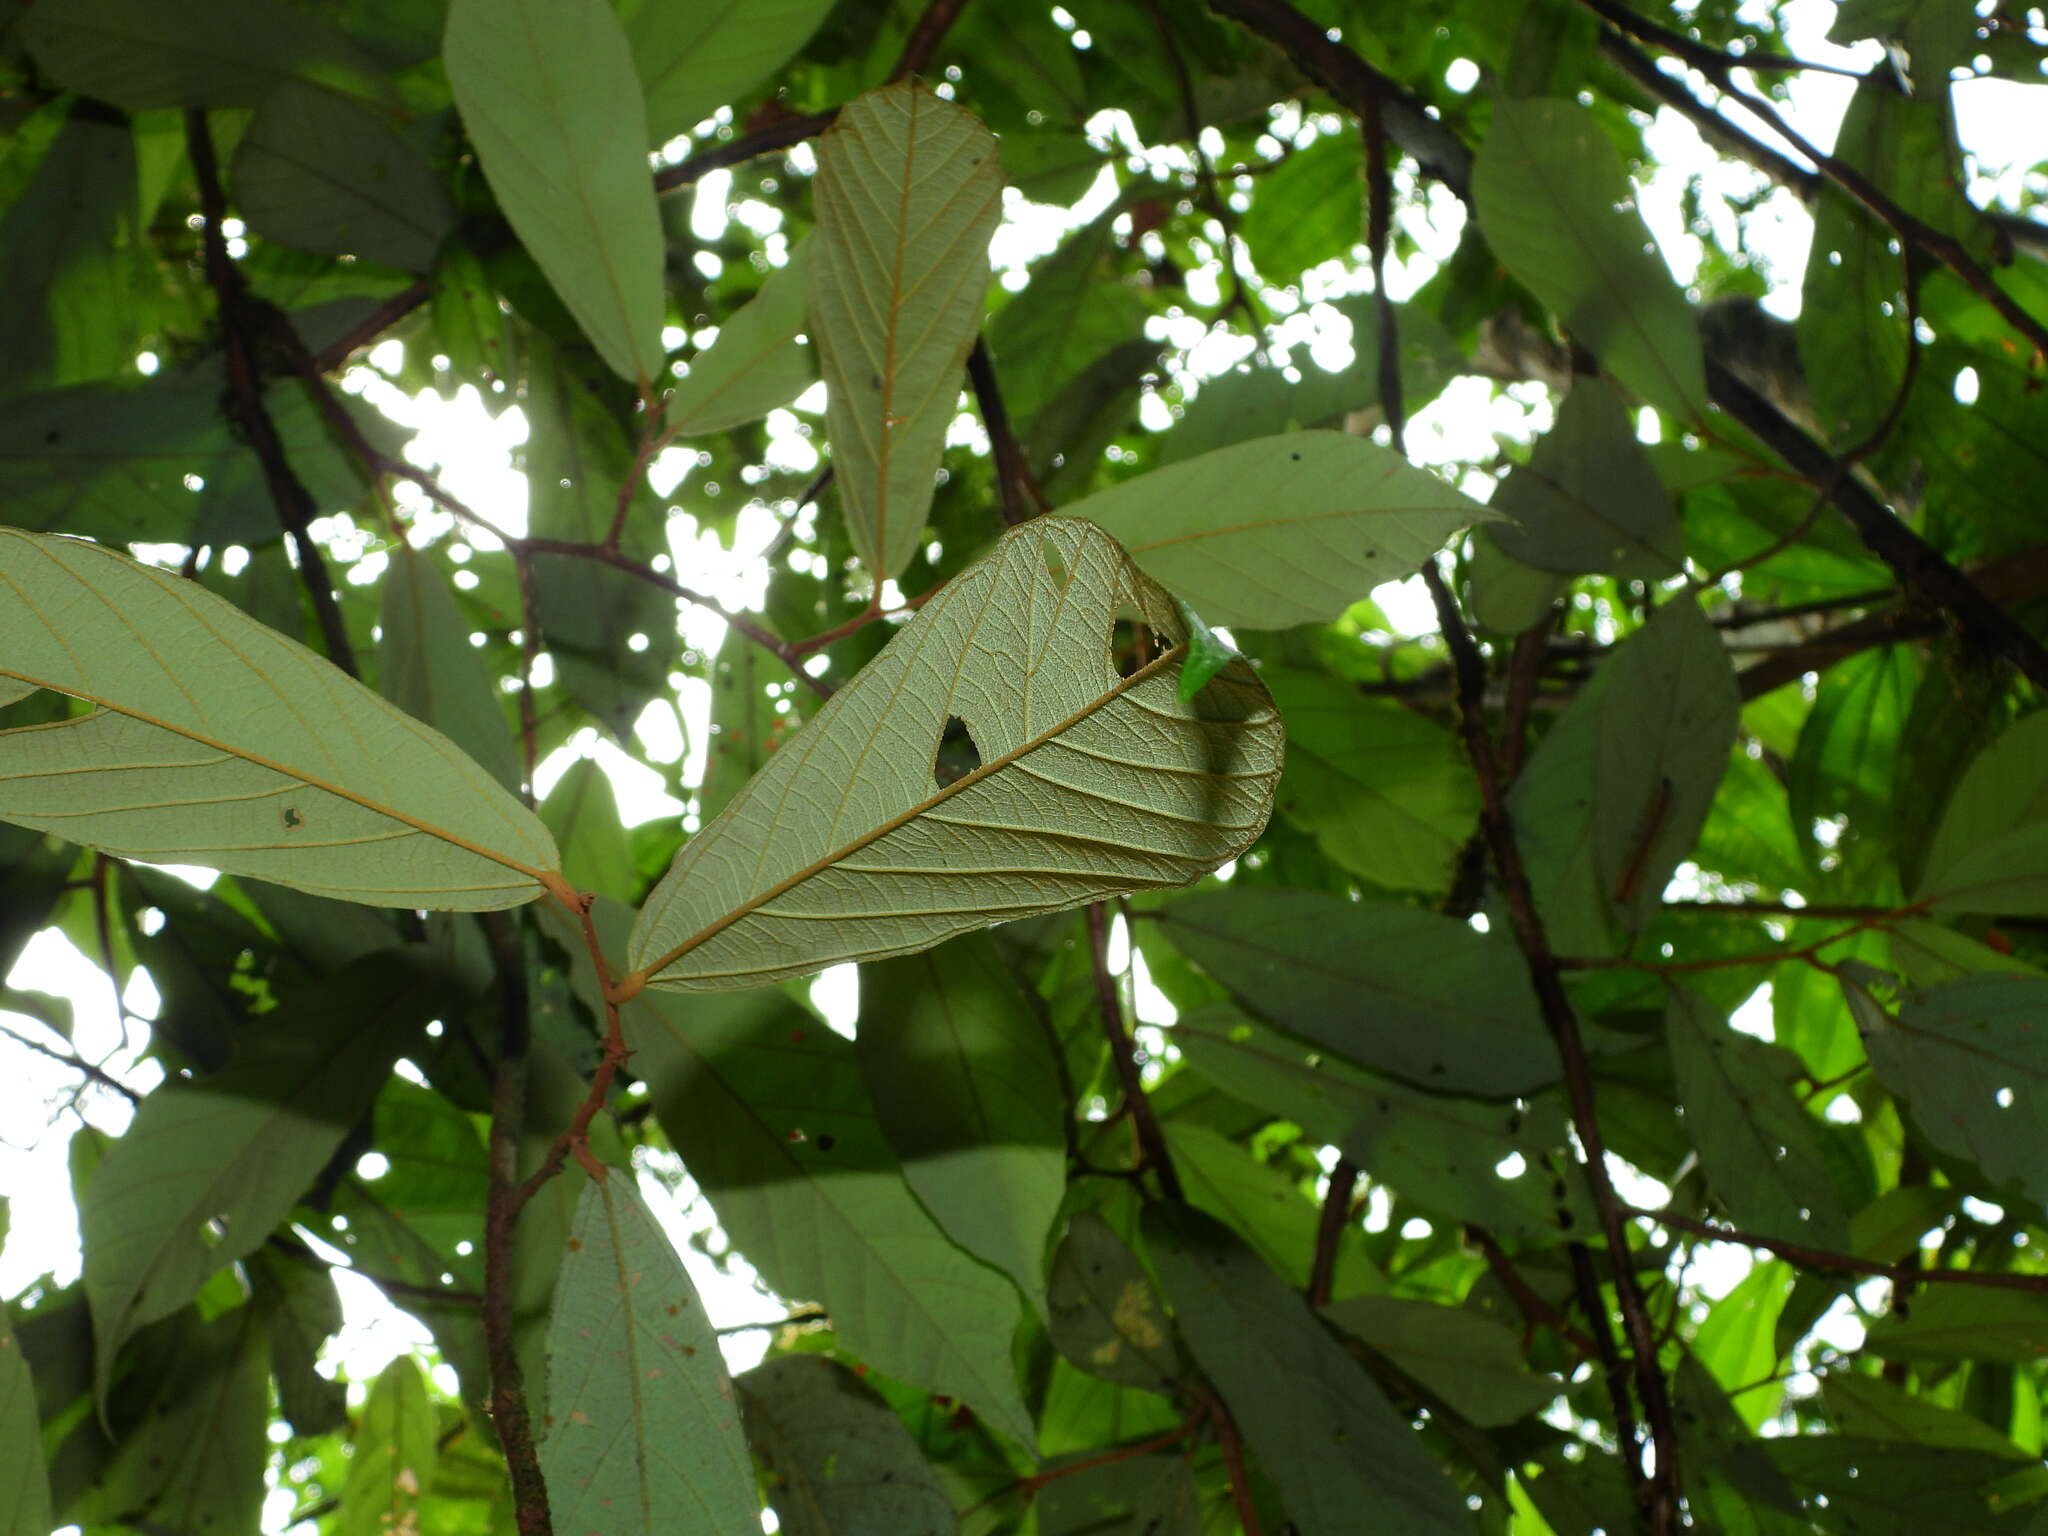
{"x": 957, "y": 755}
{"x": 1134, "y": 644}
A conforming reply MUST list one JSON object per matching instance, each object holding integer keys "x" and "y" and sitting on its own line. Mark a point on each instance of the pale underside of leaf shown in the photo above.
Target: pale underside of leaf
{"x": 1282, "y": 530}
{"x": 1090, "y": 784}
{"x": 908, "y": 193}
{"x": 219, "y": 742}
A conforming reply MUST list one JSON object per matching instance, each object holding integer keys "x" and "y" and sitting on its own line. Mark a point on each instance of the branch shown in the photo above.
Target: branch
{"x": 1151, "y": 1140}
{"x": 240, "y": 325}
{"x": 1535, "y": 1310}
{"x": 1849, "y": 1263}
{"x": 1330, "y": 1227}
{"x": 1018, "y": 487}
{"x": 78, "y": 1064}
{"x": 576, "y": 1138}
{"x": 925, "y": 37}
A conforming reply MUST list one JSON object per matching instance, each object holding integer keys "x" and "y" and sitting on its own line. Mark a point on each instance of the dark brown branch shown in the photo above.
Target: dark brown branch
{"x": 1331, "y": 1225}
{"x": 76, "y": 1063}
{"x": 1021, "y": 497}
{"x": 1848, "y": 1263}
{"x": 372, "y": 325}
{"x": 241, "y": 324}
{"x": 1536, "y": 1312}
{"x": 923, "y": 43}
{"x": 501, "y": 1219}
{"x": 785, "y": 133}
{"x": 1151, "y": 1139}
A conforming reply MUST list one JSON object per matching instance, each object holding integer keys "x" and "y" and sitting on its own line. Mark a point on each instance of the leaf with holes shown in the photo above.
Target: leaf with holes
{"x": 861, "y": 840}
{"x": 646, "y": 1432}
{"x": 907, "y": 196}
{"x": 212, "y": 1164}
{"x": 219, "y": 742}
{"x": 1970, "y": 1059}
{"x": 1282, "y": 530}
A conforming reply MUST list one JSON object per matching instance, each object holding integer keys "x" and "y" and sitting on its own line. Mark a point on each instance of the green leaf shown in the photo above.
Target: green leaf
{"x": 1873, "y": 1408}
{"x": 1882, "y": 1488}
{"x": 1282, "y": 530}
{"x": 694, "y": 59}
{"x": 963, "y": 1080}
{"x": 1308, "y": 209}
{"x": 393, "y": 1464}
{"x": 24, "y": 1483}
{"x": 1208, "y": 654}
{"x": 1343, "y": 974}
{"x": 1383, "y": 788}
{"x": 211, "y": 1164}
{"x": 1503, "y": 594}
{"x": 582, "y": 811}
{"x": 839, "y": 1462}
{"x": 907, "y": 195}
{"x": 1340, "y": 1455}
{"x": 428, "y": 668}
{"x": 1848, "y": 746}
{"x": 319, "y": 172}
{"x": 222, "y": 53}
{"x": 646, "y": 1432}
{"x": 1589, "y": 499}
{"x": 1559, "y": 212}
{"x": 1990, "y": 851}
{"x": 301, "y": 1311}
{"x": 1090, "y": 784}
{"x": 1763, "y": 1153}
{"x": 1075, "y": 309}
{"x": 1955, "y": 1322}
{"x": 1970, "y": 1060}
{"x": 551, "y": 102}
{"x": 768, "y": 1111}
{"x": 757, "y": 362}
{"x": 1617, "y": 792}
{"x": 1473, "y": 1363}
{"x": 220, "y": 742}
{"x": 1498, "y": 1165}
{"x": 1104, "y": 1314}
{"x": 1154, "y": 1495}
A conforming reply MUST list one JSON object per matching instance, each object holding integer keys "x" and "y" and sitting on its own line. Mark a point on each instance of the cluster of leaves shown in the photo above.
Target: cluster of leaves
{"x": 1396, "y": 1225}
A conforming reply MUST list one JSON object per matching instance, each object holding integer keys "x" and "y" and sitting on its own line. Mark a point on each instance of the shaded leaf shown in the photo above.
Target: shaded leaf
{"x": 1338, "y": 1452}
{"x": 756, "y": 363}
{"x": 1344, "y": 975}
{"x": 1309, "y": 209}
{"x": 301, "y": 1311}
{"x": 393, "y": 1464}
{"x": 646, "y": 1432}
{"x": 1473, "y": 1363}
{"x": 1282, "y": 530}
{"x": 1075, "y": 309}
{"x": 428, "y": 668}
{"x": 1559, "y": 213}
{"x": 907, "y": 195}
{"x": 1104, "y": 1314}
{"x": 1955, "y": 1322}
{"x": 839, "y": 1462}
{"x": 551, "y": 102}
{"x": 24, "y": 1484}
{"x": 1872, "y": 1408}
{"x": 220, "y": 742}
{"x": 966, "y": 1090}
{"x": 696, "y": 58}
{"x": 582, "y": 811}
{"x": 1090, "y": 783}
{"x": 1990, "y": 850}
{"x": 1153, "y": 1495}
{"x": 1882, "y": 1488}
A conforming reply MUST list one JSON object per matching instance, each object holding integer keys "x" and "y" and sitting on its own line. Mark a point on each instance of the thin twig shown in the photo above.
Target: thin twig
{"x": 1773, "y": 957}
{"x": 1151, "y": 1139}
{"x": 1536, "y": 1312}
{"x": 76, "y": 1063}
{"x": 1849, "y": 1263}
{"x": 1331, "y": 1225}
{"x": 1232, "y": 1446}
{"x": 1022, "y": 499}
{"x": 575, "y": 1140}
{"x": 923, "y": 43}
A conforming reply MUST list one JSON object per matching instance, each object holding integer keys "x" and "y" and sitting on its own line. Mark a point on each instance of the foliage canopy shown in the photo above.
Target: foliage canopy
{"x": 1297, "y": 1082}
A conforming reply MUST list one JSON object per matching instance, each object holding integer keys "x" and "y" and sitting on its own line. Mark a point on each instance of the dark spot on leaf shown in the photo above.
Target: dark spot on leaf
{"x": 575, "y": 1245}
{"x": 1295, "y": 456}
{"x": 827, "y": 1142}
{"x": 291, "y": 818}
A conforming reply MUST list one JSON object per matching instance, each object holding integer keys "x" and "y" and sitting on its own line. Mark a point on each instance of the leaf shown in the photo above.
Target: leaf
{"x": 1882, "y": 1488}
{"x": 757, "y": 362}
{"x": 24, "y": 1483}
{"x": 968, "y": 1095}
{"x": 1282, "y": 530}
{"x": 211, "y": 1164}
{"x": 322, "y": 173}
{"x": 547, "y": 91}
{"x": 1308, "y": 209}
{"x": 393, "y": 1464}
{"x": 839, "y": 1462}
{"x": 1954, "y": 1322}
{"x": 219, "y": 742}
{"x": 228, "y": 53}
{"x": 1382, "y": 788}
{"x": 1849, "y": 743}
{"x": 646, "y": 1432}
{"x": 429, "y": 669}
{"x": 1498, "y": 1165}
{"x": 1763, "y": 1153}
{"x": 1618, "y": 790}
{"x": 1344, "y": 975}
{"x": 1473, "y": 1363}
{"x": 1872, "y": 1408}
{"x": 1990, "y": 850}
{"x": 767, "y": 1109}
{"x": 1075, "y": 309}
{"x": 1589, "y": 499}
{"x": 696, "y": 58}
{"x": 1341, "y": 1457}
{"x": 582, "y": 811}
{"x": 1969, "y": 1058}
{"x": 1559, "y": 212}
{"x": 1104, "y": 1314}
{"x": 1090, "y": 783}
{"x": 1154, "y": 1495}
{"x": 1208, "y": 654}
{"x": 301, "y": 1311}
{"x": 907, "y": 195}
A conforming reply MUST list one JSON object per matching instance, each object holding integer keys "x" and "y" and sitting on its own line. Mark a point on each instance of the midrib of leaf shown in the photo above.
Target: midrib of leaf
{"x": 888, "y": 443}
{"x": 633, "y": 981}
{"x": 629, "y": 1329}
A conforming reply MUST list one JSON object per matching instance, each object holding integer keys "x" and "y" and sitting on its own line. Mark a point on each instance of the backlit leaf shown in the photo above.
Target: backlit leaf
{"x": 699, "y": 57}
{"x": 845, "y": 847}
{"x": 646, "y": 1435}
{"x": 1990, "y": 850}
{"x": 1282, "y": 530}
{"x": 394, "y": 1455}
{"x": 757, "y": 363}
{"x": 551, "y": 102}
{"x": 1954, "y": 1322}
{"x": 1470, "y": 1361}
{"x": 220, "y": 742}
{"x": 431, "y": 671}
{"x": 1106, "y": 1316}
{"x": 907, "y": 195}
